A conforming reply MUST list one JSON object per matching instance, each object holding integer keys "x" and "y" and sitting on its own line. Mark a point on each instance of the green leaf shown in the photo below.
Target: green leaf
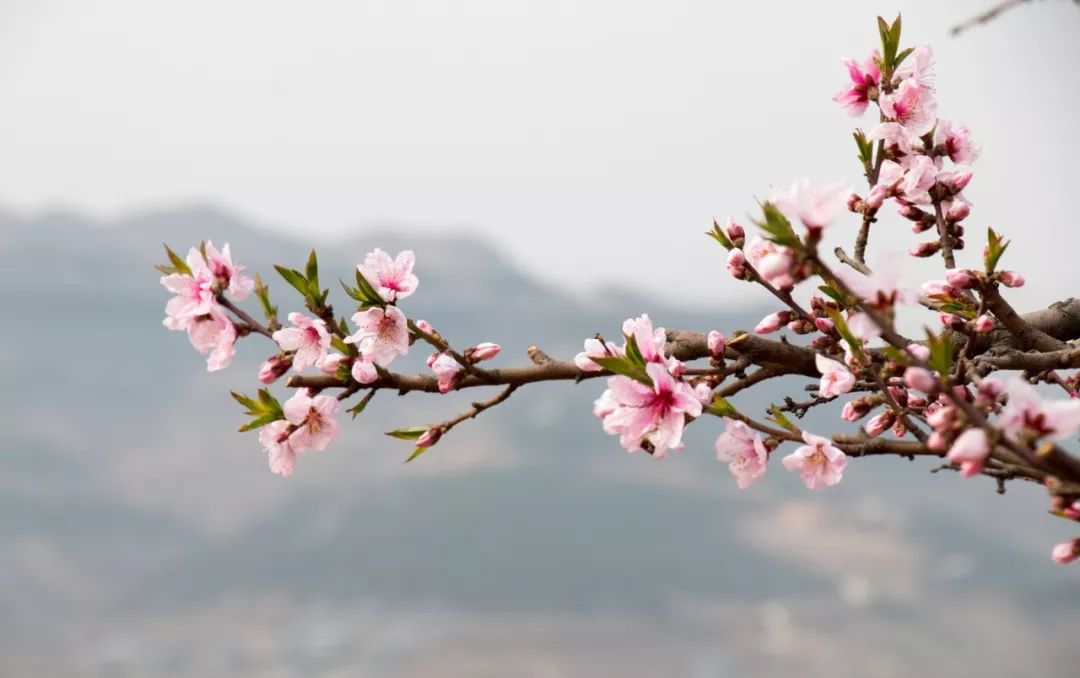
{"x": 845, "y": 332}
{"x": 995, "y": 247}
{"x": 294, "y": 278}
{"x": 410, "y": 433}
{"x": 633, "y": 352}
{"x": 178, "y": 264}
{"x": 941, "y": 352}
{"x": 368, "y": 295}
{"x": 721, "y": 407}
{"x": 259, "y": 422}
{"x": 247, "y": 402}
{"x": 625, "y": 367}
{"x": 903, "y": 55}
{"x": 311, "y": 271}
{"x": 341, "y": 346}
{"x": 359, "y": 407}
{"x": 262, "y": 292}
{"x": 717, "y": 234}
{"x": 777, "y": 227}
{"x": 865, "y": 146}
{"x": 416, "y": 453}
{"x": 780, "y": 419}
{"x": 832, "y": 293}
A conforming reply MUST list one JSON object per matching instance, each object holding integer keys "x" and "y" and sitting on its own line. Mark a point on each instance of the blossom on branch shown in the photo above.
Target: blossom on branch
{"x": 819, "y": 462}
{"x": 744, "y": 450}
{"x": 392, "y": 278}
{"x": 307, "y": 339}
{"x": 314, "y": 420}
{"x": 653, "y": 414}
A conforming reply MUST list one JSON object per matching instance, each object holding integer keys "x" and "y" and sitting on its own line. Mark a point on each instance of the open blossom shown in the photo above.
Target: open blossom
{"x": 918, "y": 67}
{"x": 815, "y": 206}
{"x": 818, "y": 461}
{"x": 744, "y": 451}
{"x": 314, "y": 420}
{"x": 883, "y": 287}
{"x": 970, "y": 450}
{"x": 392, "y": 278}
{"x": 864, "y": 77}
{"x": 446, "y": 368}
{"x": 227, "y": 274}
{"x": 1027, "y": 413}
{"x": 912, "y": 105}
{"x": 194, "y": 293}
{"x": 640, "y": 414}
{"x": 594, "y": 348}
{"x": 382, "y": 334}
{"x": 650, "y": 341}
{"x": 836, "y": 379}
{"x": 274, "y": 437}
{"x": 774, "y": 263}
{"x": 899, "y": 140}
{"x": 308, "y": 338}
{"x": 214, "y": 334}
{"x": 1066, "y": 552}
{"x": 956, "y": 141}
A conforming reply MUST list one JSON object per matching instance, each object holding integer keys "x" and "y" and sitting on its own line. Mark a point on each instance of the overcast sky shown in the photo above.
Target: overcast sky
{"x": 592, "y": 140}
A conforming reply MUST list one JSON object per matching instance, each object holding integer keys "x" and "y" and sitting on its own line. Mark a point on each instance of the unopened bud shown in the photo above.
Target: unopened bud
{"x": 430, "y": 437}
{"x": 1010, "y": 279}
{"x": 736, "y": 264}
{"x": 959, "y": 181}
{"x": 983, "y": 324}
{"x": 825, "y": 325}
{"x": 1066, "y": 552}
{"x": 909, "y": 211}
{"x": 920, "y": 379}
{"x": 879, "y": 423}
{"x": 855, "y": 410}
{"x": 958, "y": 211}
{"x": 953, "y": 322}
{"x": 484, "y": 351}
{"x": 800, "y": 326}
{"x": 717, "y": 344}
{"x": 854, "y": 203}
{"x": 274, "y": 366}
{"x": 425, "y": 326}
{"x": 735, "y": 233}
{"x": 925, "y": 249}
{"x": 962, "y": 278}
{"x": 922, "y": 226}
{"x": 773, "y": 322}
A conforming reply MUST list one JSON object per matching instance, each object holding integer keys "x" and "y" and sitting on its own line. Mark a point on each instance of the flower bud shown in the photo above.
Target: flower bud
{"x": 1072, "y": 511}
{"x": 800, "y": 326}
{"x": 274, "y": 366}
{"x": 959, "y": 181}
{"x": 736, "y": 264}
{"x": 920, "y": 379}
{"x": 909, "y": 211}
{"x": 876, "y": 197}
{"x": 735, "y": 233}
{"x": 1066, "y": 552}
{"x": 990, "y": 388}
{"x": 922, "y": 226}
{"x": 822, "y": 343}
{"x": 925, "y": 249}
{"x": 953, "y": 322}
{"x": 879, "y": 423}
{"x": 1010, "y": 279}
{"x": 430, "y": 437}
{"x": 970, "y": 450}
{"x": 958, "y": 211}
{"x": 983, "y": 324}
{"x": 484, "y": 351}
{"x": 717, "y": 344}
{"x": 853, "y": 203}
{"x": 962, "y": 278}
{"x": 825, "y": 325}
{"x": 919, "y": 351}
{"x": 425, "y": 326}
{"x": 855, "y": 409}
{"x": 773, "y": 322}
{"x": 958, "y": 243}
{"x": 938, "y": 288}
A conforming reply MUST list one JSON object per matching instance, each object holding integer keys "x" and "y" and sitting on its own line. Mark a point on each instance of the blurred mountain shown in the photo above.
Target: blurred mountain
{"x": 140, "y": 535}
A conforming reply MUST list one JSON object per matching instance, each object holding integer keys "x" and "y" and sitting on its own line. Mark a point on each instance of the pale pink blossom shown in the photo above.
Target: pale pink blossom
{"x": 717, "y": 344}
{"x": 970, "y": 451}
{"x": 918, "y": 67}
{"x": 883, "y": 287}
{"x": 392, "y": 278}
{"x": 819, "y": 462}
{"x": 920, "y": 175}
{"x": 307, "y": 338}
{"x": 331, "y": 362}
{"x": 483, "y": 351}
{"x": 446, "y": 368}
{"x": 956, "y": 141}
{"x": 274, "y": 437}
{"x": 864, "y": 77}
{"x": 899, "y": 140}
{"x": 815, "y": 206}
{"x": 1027, "y": 413}
{"x": 1066, "y": 552}
{"x": 194, "y": 293}
{"x": 640, "y": 414}
{"x": 594, "y": 348}
{"x": 745, "y": 452}
{"x": 919, "y": 351}
{"x": 911, "y": 105}
{"x": 227, "y": 274}
{"x": 214, "y": 334}
{"x": 314, "y": 420}
{"x": 650, "y": 341}
{"x": 382, "y": 334}
{"x": 836, "y": 379}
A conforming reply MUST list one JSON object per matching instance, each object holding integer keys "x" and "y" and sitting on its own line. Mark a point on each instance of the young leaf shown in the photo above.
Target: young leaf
{"x": 777, "y": 227}
{"x": 312, "y": 270}
{"x": 410, "y": 433}
{"x": 294, "y": 278}
{"x": 717, "y": 234}
{"x": 633, "y": 352}
{"x": 359, "y": 407}
{"x": 624, "y": 367}
{"x": 259, "y": 422}
{"x": 721, "y": 407}
{"x": 780, "y": 419}
{"x": 368, "y": 294}
{"x": 995, "y": 247}
{"x": 416, "y": 453}
{"x": 941, "y": 352}
{"x": 178, "y": 264}
{"x": 262, "y": 291}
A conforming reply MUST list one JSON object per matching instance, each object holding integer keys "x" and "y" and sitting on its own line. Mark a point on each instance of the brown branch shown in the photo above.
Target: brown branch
{"x": 986, "y": 16}
{"x": 1028, "y": 336}
{"x": 252, "y": 324}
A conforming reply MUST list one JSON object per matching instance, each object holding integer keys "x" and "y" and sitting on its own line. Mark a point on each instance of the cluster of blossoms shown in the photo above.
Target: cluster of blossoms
{"x": 917, "y": 397}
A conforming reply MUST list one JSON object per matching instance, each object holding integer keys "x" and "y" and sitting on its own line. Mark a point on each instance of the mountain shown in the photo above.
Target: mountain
{"x": 140, "y": 534}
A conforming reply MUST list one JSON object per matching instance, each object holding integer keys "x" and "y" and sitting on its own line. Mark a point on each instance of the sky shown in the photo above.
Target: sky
{"x": 591, "y": 140}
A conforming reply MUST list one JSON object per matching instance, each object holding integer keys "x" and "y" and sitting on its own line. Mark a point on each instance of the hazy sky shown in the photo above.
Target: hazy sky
{"x": 592, "y": 140}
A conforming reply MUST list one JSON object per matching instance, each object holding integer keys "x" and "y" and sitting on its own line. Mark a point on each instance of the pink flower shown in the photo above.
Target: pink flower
{"x": 835, "y": 378}
{"x": 956, "y": 141}
{"x": 736, "y": 264}
{"x": 882, "y": 288}
{"x": 331, "y": 363}
{"x": 214, "y": 334}
{"x": 911, "y": 105}
{"x": 641, "y": 414}
{"x": 194, "y": 293}
{"x": 774, "y": 263}
{"x": 382, "y": 334}
{"x": 483, "y": 351}
{"x": 1066, "y": 552}
{"x": 815, "y": 206}
{"x": 227, "y": 274}
{"x": 919, "y": 177}
{"x": 273, "y": 367}
{"x": 899, "y": 140}
{"x": 983, "y": 324}
{"x": 363, "y": 370}
{"x": 274, "y": 437}
{"x": 918, "y": 67}
{"x": 958, "y": 210}
{"x": 864, "y": 78}
{"x": 773, "y": 322}
{"x": 970, "y": 450}
{"x": 1027, "y": 413}
{"x": 651, "y": 342}
{"x": 744, "y": 451}
{"x": 446, "y": 369}
{"x": 392, "y": 278}
{"x": 735, "y": 231}
{"x": 594, "y": 348}
{"x": 308, "y": 338}
{"x": 314, "y": 420}
{"x": 819, "y": 462}
{"x": 717, "y": 344}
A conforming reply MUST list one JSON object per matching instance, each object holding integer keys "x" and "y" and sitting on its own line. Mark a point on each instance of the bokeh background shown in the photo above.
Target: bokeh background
{"x": 553, "y": 164}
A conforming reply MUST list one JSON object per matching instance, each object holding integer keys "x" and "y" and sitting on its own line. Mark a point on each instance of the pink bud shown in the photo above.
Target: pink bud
{"x": 970, "y": 450}
{"x": 922, "y": 226}
{"x": 877, "y": 197}
{"x": 853, "y": 202}
{"x": 919, "y": 351}
{"x": 936, "y": 442}
{"x": 484, "y": 351}
{"x": 1066, "y": 552}
{"x": 330, "y": 364}
{"x": 734, "y": 231}
{"x": 717, "y": 344}
{"x": 854, "y": 410}
{"x": 773, "y": 322}
{"x": 958, "y": 211}
{"x": 1073, "y": 511}
{"x": 909, "y": 211}
{"x": 938, "y": 288}
{"x": 800, "y": 326}
{"x": 953, "y": 322}
{"x": 990, "y": 388}
{"x": 825, "y": 325}
{"x": 822, "y": 343}
{"x": 430, "y": 437}
{"x": 1011, "y": 279}
{"x": 983, "y": 324}
{"x": 962, "y": 278}
{"x": 959, "y": 181}
{"x": 425, "y": 326}
{"x": 920, "y": 379}
{"x": 925, "y": 249}
{"x": 274, "y": 366}
{"x": 736, "y": 264}
{"x": 879, "y": 423}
